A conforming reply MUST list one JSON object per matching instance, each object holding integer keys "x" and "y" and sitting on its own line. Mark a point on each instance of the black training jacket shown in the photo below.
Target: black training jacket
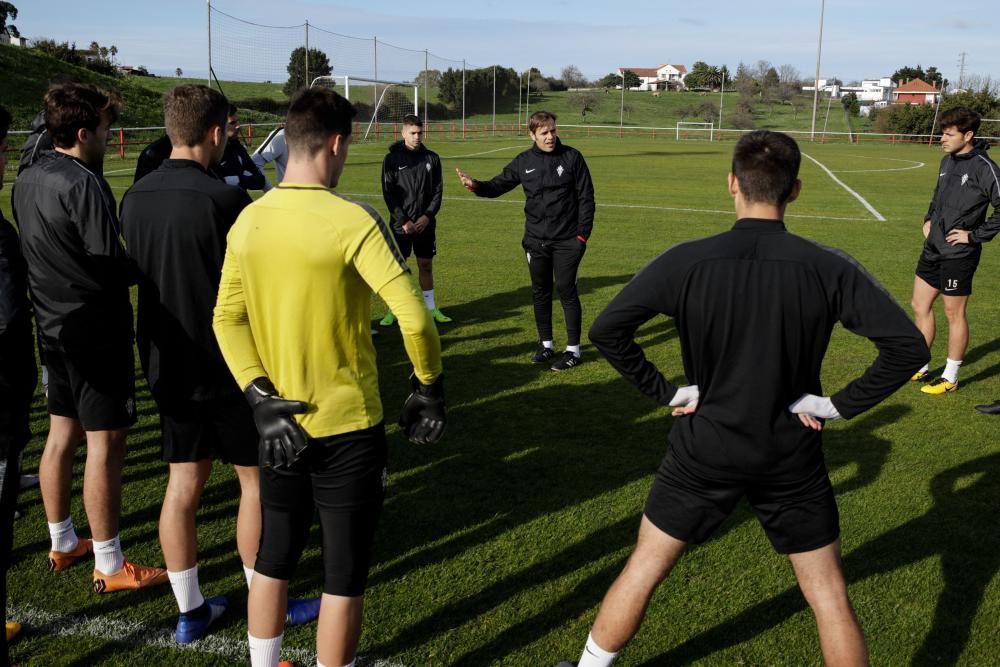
{"x": 175, "y": 222}
{"x": 151, "y": 157}
{"x": 967, "y": 185}
{"x": 558, "y": 191}
{"x": 237, "y": 167}
{"x": 37, "y": 144}
{"x": 15, "y": 309}
{"x": 754, "y": 308}
{"x": 411, "y": 184}
{"x": 78, "y": 272}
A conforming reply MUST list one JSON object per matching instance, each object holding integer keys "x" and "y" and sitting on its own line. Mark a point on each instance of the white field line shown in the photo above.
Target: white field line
{"x": 135, "y": 634}
{"x": 864, "y": 202}
{"x": 711, "y": 211}
{"x": 913, "y": 165}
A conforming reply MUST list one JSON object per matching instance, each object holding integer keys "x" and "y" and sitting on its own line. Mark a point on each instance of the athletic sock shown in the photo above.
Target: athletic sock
{"x": 595, "y": 656}
{"x": 186, "y": 589}
{"x": 63, "y": 535}
{"x": 951, "y": 370}
{"x": 264, "y": 652}
{"x": 575, "y": 349}
{"x": 429, "y": 299}
{"x": 248, "y": 573}
{"x": 108, "y": 556}
{"x": 926, "y": 367}
{"x": 549, "y": 344}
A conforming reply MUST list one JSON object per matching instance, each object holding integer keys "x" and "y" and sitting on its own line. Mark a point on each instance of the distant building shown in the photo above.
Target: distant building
{"x": 14, "y": 41}
{"x": 916, "y": 91}
{"x": 662, "y": 77}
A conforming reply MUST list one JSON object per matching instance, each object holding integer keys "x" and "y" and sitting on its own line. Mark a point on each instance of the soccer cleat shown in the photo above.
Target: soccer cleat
{"x": 388, "y": 320}
{"x": 28, "y": 481}
{"x": 991, "y": 409}
{"x": 940, "y": 386}
{"x": 439, "y": 316}
{"x": 60, "y": 560}
{"x": 375, "y": 332}
{"x": 542, "y": 355}
{"x": 193, "y": 625}
{"x": 921, "y": 376}
{"x": 302, "y": 610}
{"x": 130, "y": 577}
{"x": 567, "y": 361}
{"x": 566, "y": 663}
{"x": 13, "y": 630}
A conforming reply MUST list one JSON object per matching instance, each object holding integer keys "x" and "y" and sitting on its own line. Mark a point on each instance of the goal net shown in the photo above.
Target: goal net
{"x": 692, "y": 130}
{"x": 380, "y": 104}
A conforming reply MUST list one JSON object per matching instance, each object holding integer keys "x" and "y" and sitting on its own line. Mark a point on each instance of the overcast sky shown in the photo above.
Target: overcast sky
{"x": 861, "y": 38}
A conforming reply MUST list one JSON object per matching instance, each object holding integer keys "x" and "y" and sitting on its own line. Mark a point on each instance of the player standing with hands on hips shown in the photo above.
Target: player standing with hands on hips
{"x": 558, "y": 221}
{"x": 754, "y": 308}
{"x": 292, "y": 320}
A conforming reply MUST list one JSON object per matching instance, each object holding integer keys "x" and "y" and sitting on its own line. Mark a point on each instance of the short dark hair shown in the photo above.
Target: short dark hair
{"x": 190, "y": 111}
{"x": 963, "y": 118}
{"x": 233, "y": 109}
{"x": 72, "y": 107}
{"x": 411, "y": 119}
{"x": 540, "y": 118}
{"x": 766, "y": 165}
{"x": 314, "y": 115}
{"x": 4, "y": 123}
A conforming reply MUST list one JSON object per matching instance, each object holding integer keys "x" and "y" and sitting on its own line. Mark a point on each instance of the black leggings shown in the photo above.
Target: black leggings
{"x": 343, "y": 477}
{"x": 559, "y": 260}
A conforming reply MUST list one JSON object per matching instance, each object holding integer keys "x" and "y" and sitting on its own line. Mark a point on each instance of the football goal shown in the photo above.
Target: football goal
{"x": 378, "y": 102}
{"x": 692, "y": 130}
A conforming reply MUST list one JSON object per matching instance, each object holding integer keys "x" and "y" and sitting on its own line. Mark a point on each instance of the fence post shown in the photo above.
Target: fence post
{"x": 121, "y": 142}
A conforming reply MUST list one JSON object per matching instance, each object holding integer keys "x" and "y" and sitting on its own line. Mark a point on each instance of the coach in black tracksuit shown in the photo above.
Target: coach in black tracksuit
{"x": 558, "y": 220}
{"x": 754, "y": 309}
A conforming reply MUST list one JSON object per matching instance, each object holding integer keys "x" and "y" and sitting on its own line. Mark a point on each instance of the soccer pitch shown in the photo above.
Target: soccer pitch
{"x": 497, "y": 544}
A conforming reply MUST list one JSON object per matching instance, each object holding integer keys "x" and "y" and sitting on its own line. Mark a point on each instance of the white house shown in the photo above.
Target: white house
{"x": 872, "y": 90}
{"x": 832, "y": 89}
{"x": 662, "y": 77}
{"x": 13, "y": 41}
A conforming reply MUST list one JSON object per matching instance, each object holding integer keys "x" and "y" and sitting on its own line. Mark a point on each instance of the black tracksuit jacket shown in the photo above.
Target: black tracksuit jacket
{"x": 78, "y": 272}
{"x": 967, "y": 185}
{"x": 558, "y": 191}
{"x": 754, "y": 308}
{"x": 411, "y": 184}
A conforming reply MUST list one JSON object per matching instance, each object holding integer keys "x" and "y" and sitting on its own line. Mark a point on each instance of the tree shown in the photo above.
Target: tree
{"x": 851, "y": 104}
{"x": 572, "y": 77}
{"x": 702, "y": 75}
{"x": 631, "y": 79}
{"x": 8, "y": 12}
{"x": 479, "y": 88}
{"x": 114, "y": 52}
{"x": 431, "y": 77}
{"x": 585, "y": 102}
{"x": 931, "y": 76}
{"x": 789, "y": 75}
{"x": 319, "y": 65}
{"x": 771, "y": 79}
{"x": 179, "y": 72}
{"x": 610, "y": 81}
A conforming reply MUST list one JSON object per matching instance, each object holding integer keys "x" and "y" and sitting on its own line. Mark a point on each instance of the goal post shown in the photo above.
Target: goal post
{"x": 378, "y": 102}
{"x": 693, "y": 130}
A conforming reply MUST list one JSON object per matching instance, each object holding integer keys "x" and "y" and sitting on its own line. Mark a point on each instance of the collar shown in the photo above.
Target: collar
{"x": 760, "y": 225}
{"x": 182, "y": 163}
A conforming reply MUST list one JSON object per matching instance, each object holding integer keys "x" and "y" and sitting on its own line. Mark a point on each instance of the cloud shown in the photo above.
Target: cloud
{"x": 961, "y": 24}
{"x": 689, "y": 21}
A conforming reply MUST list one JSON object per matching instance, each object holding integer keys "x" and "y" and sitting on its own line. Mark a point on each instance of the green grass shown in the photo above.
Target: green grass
{"x": 497, "y": 544}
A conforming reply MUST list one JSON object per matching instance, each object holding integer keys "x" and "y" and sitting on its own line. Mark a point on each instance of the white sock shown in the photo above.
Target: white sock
{"x": 575, "y": 349}
{"x": 63, "y": 535}
{"x": 264, "y": 652}
{"x": 248, "y": 573}
{"x": 549, "y": 344}
{"x": 926, "y": 367}
{"x": 595, "y": 656}
{"x": 108, "y": 556}
{"x": 186, "y": 589}
{"x": 951, "y": 370}
{"x": 429, "y": 299}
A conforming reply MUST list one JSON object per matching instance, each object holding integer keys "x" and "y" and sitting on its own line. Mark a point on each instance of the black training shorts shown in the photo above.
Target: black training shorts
{"x": 95, "y": 386}
{"x": 951, "y": 277}
{"x": 422, "y": 245}
{"x": 343, "y": 477}
{"x": 797, "y": 516}
{"x": 221, "y": 428}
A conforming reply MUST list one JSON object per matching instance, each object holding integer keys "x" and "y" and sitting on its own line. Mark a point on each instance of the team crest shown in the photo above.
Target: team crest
{"x": 559, "y": 170}
{"x": 965, "y": 179}
{"x": 428, "y": 166}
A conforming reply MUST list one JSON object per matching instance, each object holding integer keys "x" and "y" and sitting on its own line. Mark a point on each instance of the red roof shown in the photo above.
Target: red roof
{"x": 641, "y": 71}
{"x": 680, "y": 68}
{"x": 917, "y": 86}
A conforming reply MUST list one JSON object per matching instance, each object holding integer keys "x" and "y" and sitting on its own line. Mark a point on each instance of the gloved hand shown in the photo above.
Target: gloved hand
{"x": 423, "y": 418}
{"x": 685, "y": 397}
{"x": 814, "y": 406}
{"x": 282, "y": 440}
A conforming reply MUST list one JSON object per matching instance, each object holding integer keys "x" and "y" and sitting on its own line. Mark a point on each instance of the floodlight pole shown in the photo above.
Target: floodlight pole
{"x": 463, "y": 98}
{"x": 426, "y": 76}
{"x": 722, "y": 95}
{"x": 527, "y": 96}
{"x": 518, "y": 103}
{"x": 494, "y": 100}
{"x": 819, "y": 53}
{"x": 307, "y": 52}
{"x": 621, "y": 109}
{"x": 209, "y": 74}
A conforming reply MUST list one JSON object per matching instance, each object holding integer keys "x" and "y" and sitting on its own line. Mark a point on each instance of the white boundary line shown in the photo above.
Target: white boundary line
{"x": 712, "y": 211}
{"x": 914, "y": 165}
{"x": 135, "y": 634}
{"x": 871, "y": 209}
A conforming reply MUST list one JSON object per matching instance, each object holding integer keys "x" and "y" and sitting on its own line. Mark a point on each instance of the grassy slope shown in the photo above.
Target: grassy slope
{"x": 496, "y": 545}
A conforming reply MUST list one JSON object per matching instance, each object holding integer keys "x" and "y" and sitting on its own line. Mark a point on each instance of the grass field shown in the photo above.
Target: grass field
{"x": 497, "y": 544}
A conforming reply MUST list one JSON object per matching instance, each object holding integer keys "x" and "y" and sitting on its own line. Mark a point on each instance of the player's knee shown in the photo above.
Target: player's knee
{"x": 348, "y": 583}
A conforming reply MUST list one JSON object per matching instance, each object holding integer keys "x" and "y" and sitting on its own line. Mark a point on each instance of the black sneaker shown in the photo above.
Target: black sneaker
{"x": 542, "y": 355}
{"x": 567, "y": 361}
{"x": 566, "y": 663}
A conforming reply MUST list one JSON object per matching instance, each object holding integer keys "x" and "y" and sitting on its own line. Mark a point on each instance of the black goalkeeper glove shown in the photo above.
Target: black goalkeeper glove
{"x": 423, "y": 417}
{"x": 282, "y": 440}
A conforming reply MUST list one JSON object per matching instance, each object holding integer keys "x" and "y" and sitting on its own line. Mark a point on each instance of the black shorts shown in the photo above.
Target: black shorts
{"x": 95, "y": 386}
{"x": 221, "y": 428}
{"x": 951, "y": 277}
{"x": 423, "y": 245}
{"x": 797, "y": 516}
{"x": 343, "y": 477}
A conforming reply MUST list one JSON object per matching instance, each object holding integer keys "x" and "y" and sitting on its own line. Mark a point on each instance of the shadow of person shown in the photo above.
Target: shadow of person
{"x": 959, "y": 529}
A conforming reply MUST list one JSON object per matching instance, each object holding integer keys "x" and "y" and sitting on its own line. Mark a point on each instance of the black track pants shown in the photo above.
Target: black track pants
{"x": 555, "y": 261}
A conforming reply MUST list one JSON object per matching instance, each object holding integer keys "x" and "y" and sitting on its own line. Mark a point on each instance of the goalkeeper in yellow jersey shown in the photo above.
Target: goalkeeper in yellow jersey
{"x": 292, "y": 320}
